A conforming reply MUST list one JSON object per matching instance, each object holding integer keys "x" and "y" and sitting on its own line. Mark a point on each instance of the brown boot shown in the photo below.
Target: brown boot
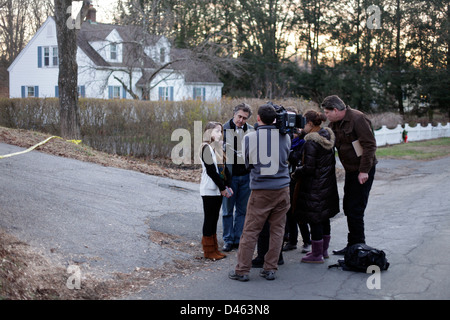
{"x": 208, "y": 248}
{"x": 216, "y": 247}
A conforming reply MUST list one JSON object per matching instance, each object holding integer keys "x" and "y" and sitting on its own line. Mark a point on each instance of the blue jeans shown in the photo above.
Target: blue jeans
{"x": 233, "y": 224}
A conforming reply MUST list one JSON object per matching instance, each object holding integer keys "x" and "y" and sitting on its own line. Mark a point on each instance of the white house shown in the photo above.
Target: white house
{"x": 114, "y": 62}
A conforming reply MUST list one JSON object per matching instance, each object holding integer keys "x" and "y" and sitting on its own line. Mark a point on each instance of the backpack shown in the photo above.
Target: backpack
{"x": 360, "y": 256}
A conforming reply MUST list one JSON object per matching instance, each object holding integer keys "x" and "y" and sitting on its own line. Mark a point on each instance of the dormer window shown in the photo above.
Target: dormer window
{"x": 113, "y": 51}
{"x": 162, "y": 55}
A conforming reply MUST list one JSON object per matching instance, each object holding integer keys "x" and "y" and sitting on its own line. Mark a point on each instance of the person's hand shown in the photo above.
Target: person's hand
{"x": 296, "y": 174}
{"x": 228, "y": 193}
{"x": 363, "y": 177}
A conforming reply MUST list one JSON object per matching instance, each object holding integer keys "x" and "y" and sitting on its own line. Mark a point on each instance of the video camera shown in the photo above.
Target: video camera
{"x": 285, "y": 121}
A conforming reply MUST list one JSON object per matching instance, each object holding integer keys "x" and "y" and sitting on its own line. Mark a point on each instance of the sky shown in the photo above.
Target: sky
{"x": 105, "y": 9}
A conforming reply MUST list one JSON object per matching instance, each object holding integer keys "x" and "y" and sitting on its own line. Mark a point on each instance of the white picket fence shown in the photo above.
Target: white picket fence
{"x": 385, "y": 136}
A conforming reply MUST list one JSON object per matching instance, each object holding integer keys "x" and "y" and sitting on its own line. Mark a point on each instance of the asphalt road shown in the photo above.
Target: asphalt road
{"x": 92, "y": 215}
{"x": 101, "y": 217}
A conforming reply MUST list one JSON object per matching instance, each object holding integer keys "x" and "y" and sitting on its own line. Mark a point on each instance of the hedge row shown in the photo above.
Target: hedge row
{"x": 127, "y": 127}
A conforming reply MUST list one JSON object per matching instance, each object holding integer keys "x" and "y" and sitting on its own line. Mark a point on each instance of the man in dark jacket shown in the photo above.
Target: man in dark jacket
{"x": 356, "y": 147}
{"x": 235, "y": 207}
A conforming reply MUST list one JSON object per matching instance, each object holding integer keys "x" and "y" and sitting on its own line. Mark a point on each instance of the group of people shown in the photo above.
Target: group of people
{"x": 262, "y": 207}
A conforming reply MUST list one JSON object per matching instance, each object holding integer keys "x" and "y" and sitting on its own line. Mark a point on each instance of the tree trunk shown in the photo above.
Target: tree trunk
{"x": 68, "y": 69}
{"x": 448, "y": 38}
{"x": 448, "y": 60}
{"x": 399, "y": 92}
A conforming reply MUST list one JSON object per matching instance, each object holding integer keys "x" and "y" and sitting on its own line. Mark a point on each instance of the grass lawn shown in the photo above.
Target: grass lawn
{"x": 420, "y": 150}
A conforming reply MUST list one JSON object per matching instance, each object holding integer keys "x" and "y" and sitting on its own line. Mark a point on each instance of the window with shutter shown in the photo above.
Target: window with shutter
{"x": 165, "y": 93}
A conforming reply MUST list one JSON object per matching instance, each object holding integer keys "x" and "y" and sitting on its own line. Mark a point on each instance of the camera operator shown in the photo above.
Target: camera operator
{"x": 269, "y": 198}
{"x": 292, "y": 225}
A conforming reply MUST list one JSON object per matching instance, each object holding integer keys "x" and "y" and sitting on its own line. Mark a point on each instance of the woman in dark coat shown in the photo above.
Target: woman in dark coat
{"x": 317, "y": 198}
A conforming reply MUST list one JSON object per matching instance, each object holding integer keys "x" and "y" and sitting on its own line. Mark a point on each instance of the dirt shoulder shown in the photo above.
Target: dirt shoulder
{"x": 26, "y": 274}
{"x": 62, "y": 148}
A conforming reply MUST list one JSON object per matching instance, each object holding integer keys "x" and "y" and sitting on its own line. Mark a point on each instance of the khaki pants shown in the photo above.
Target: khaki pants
{"x": 263, "y": 205}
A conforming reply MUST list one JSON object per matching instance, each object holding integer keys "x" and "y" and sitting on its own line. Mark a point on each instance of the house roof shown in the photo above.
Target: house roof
{"x": 195, "y": 71}
{"x": 22, "y": 52}
{"x": 134, "y": 39}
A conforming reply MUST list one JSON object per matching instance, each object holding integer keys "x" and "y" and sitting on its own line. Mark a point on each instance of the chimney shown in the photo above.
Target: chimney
{"x": 91, "y": 15}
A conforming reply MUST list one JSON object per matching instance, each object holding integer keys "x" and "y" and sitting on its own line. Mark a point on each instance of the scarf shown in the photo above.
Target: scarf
{"x": 297, "y": 142}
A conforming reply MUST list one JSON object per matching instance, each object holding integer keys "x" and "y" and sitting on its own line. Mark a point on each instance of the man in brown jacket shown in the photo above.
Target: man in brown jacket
{"x": 356, "y": 147}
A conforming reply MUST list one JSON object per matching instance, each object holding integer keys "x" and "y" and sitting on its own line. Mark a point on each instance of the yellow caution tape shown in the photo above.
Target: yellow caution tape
{"x": 74, "y": 141}
{"x": 37, "y": 145}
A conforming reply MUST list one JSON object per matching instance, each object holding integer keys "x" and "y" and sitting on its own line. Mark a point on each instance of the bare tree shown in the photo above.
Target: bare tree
{"x": 141, "y": 24}
{"x": 191, "y": 25}
{"x": 68, "y": 69}
{"x": 19, "y": 21}
{"x": 39, "y": 11}
{"x": 205, "y": 58}
{"x": 12, "y": 28}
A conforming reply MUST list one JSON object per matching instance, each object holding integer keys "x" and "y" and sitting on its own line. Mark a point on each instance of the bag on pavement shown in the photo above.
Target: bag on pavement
{"x": 360, "y": 256}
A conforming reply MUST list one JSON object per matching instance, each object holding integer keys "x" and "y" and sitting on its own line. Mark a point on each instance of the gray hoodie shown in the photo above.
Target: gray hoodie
{"x": 266, "y": 155}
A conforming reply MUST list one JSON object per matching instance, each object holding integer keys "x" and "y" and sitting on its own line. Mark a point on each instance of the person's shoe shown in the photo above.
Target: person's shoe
{"x": 234, "y": 276}
{"x": 289, "y": 247}
{"x": 306, "y": 248}
{"x": 316, "y": 254}
{"x": 227, "y": 247}
{"x": 269, "y": 275}
{"x": 280, "y": 261}
{"x": 326, "y": 243}
{"x": 340, "y": 252}
{"x": 235, "y": 246}
{"x": 258, "y": 263}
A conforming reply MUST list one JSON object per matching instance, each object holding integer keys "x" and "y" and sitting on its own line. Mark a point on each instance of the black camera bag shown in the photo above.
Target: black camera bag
{"x": 360, "y": 256}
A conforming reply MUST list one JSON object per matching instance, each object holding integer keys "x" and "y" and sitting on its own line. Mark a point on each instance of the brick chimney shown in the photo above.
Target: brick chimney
{"x": 91, "y": 15}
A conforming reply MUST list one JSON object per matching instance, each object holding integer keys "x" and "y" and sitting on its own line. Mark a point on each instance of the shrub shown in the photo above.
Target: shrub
{"x": 128, "y": 127}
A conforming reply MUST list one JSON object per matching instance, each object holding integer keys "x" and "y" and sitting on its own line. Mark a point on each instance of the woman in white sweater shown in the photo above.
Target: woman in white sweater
{"x": 213, "y": 186}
